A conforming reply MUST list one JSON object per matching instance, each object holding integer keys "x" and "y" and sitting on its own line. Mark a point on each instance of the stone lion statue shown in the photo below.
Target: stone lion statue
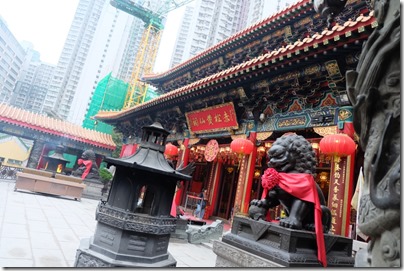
{"x": 291, "y": 168}
{"x": 88, "y": 168}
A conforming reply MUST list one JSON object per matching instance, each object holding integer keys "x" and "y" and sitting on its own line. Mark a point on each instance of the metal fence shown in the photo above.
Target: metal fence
{"x": 9, "y": 173}
{"x": 191, "y": 201}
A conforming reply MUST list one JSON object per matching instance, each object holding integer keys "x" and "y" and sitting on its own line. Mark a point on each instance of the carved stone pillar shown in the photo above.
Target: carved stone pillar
{"x": 375, "y": 92}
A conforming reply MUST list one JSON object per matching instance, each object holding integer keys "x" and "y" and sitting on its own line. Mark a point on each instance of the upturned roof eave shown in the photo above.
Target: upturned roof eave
{"x": 288, "y": 52}
{"x": 221, "y": 45}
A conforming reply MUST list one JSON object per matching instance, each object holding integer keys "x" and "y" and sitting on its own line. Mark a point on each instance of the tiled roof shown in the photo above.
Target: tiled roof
{"x": 271, "y": 58}
{"x": 44, "y": 124}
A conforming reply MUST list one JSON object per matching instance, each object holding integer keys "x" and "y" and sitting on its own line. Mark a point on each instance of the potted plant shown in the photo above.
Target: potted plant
{"x": 105, "y": 177}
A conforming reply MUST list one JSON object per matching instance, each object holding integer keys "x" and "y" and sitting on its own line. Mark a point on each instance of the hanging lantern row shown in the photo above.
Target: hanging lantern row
{"x": 337, "y": 144}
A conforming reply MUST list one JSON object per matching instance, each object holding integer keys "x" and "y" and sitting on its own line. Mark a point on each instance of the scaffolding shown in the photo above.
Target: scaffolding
{"x": 109, "y": 95}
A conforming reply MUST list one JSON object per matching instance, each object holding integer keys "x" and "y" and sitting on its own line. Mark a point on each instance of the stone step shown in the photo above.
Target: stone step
{"x": 208, "y": 244}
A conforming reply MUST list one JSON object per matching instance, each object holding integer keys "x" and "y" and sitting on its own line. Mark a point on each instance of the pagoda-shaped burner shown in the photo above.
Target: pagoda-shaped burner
{"x": 56, "y": 162}
{"x": 134, "y": 224}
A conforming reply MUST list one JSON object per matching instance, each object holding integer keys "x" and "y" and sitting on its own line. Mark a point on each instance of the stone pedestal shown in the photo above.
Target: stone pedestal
{"x": 283, "y": 246}
{"x": 86, "y": 257}
{"x": 231, "y": 256}
{"x": 93, "y": 189}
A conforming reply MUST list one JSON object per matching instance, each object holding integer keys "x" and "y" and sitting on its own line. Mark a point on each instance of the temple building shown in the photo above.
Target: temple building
{"x": 284, "y": 74}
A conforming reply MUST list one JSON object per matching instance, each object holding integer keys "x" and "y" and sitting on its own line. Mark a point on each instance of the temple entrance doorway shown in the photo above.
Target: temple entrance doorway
{"x": 227, "y": 192}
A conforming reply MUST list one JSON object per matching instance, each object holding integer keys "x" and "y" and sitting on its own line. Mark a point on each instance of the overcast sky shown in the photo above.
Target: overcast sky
{"x": 45, "y": 23}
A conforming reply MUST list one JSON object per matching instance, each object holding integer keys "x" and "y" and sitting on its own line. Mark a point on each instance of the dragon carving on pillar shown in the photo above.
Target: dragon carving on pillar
{"x": 374, "y": 90}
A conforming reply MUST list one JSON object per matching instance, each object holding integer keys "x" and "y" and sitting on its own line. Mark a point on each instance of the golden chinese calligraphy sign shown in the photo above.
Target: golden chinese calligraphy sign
{"x": 211, "y": 150}
{"x": 212, "y": 119}
{"x": 338, "y": 198}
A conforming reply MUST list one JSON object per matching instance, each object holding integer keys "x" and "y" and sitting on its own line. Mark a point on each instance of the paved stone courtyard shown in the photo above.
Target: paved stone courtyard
{"x": 38, "y": 230}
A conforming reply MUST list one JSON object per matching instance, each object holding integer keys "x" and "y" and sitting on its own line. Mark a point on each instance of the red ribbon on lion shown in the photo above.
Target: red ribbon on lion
{"x": 302, "y": 186}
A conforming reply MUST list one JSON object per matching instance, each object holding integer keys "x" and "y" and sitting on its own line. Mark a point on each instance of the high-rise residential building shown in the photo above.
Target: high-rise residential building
{"x": 30, "y": 92}
{"x": 104, "y": 56}
{"x": 260, "y": 9}
{"x": 12, "y": 57}
{"x": 204, "y": 25}
{"x": 73, "y": 57}
{"x": 101, "y": 40}
{"x": 33, "y": 81}
{"x": 181, "y": 40}
{"x": 208, "y": 22}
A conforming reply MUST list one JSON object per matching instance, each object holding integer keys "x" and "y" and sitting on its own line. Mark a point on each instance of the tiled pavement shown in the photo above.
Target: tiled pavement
{"x": 39, "y": 230}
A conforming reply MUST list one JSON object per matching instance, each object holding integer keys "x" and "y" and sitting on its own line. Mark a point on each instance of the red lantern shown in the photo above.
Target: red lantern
{"x": 242, "y": 146}
{"x": 171, "y": 150}
{"x": 337, "y": 144}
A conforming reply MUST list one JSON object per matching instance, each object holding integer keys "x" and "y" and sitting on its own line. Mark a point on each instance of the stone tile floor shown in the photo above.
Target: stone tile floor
{"x": 38, "y": 230}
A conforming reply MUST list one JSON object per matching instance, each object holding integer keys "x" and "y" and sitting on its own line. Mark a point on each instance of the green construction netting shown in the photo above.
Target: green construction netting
{"x": 110, "y": 94}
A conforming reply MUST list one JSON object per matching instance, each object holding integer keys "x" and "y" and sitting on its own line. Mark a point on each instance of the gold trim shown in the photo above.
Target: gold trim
{"x": 233, "y": 137}
{"x": 345, "y": 214}
{"x": 263, "y": 135}
{"x": 324, "y": 131}
{"x": 193, "y": 141}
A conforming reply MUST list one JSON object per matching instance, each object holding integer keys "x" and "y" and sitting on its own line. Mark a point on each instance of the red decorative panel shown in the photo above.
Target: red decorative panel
{"x": 216, "y": 118}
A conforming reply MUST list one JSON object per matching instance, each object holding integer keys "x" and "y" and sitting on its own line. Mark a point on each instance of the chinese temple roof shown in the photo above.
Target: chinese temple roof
{"x": 351, "y": 31}
{"x": 48, "y": 125}
{"x": 249, "y": 33}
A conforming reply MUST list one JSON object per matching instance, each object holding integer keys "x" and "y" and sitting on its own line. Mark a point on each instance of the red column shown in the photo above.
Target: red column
{"x": 216, "y": 182}
{"x": 341, "y": 180}
{"x": 179, "y": 191}
{"x": 44, "y": 152}
{"x": 128, "y": 150}
{"x": 340, "y": 194}
{"x": 250, "y": 174}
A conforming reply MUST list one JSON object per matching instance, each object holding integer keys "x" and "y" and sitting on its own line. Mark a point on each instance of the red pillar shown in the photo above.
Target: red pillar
{"x": 179, "y": 191}
{"x": 128, "y": 150}
{"x": 45, "y": 151}
{"x": 341, "y": 180}
{"x": 250, "y": 174}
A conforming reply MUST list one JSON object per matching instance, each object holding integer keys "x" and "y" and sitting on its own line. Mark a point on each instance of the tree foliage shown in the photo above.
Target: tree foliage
{"x": 118, "y": 140}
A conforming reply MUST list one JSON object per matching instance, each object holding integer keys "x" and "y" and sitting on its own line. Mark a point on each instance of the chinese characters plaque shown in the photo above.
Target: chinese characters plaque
{"x": 216, "y": 118}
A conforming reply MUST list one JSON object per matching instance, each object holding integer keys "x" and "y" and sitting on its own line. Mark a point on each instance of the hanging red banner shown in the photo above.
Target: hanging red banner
{"x": 216, "y": 118}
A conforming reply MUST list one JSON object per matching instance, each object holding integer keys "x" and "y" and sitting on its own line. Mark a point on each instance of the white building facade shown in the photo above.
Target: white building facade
{"x": 12, "y": 57}
{"x": 101, "y": 40}
{"x": 73, "y": 57}
{"x": 208, "y": 22}
{"x": 33, "y": 81}
{"x": 204, "y": 25}
{"x": 261, "y": 9}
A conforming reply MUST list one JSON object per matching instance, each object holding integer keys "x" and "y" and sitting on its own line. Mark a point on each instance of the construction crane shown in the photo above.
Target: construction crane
{"x": 147, "y": 50}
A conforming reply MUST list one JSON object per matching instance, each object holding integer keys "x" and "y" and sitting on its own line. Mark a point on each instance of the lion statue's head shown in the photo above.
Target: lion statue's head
{"x": 88, "y": 155}
{"x": 292, "y": 153}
